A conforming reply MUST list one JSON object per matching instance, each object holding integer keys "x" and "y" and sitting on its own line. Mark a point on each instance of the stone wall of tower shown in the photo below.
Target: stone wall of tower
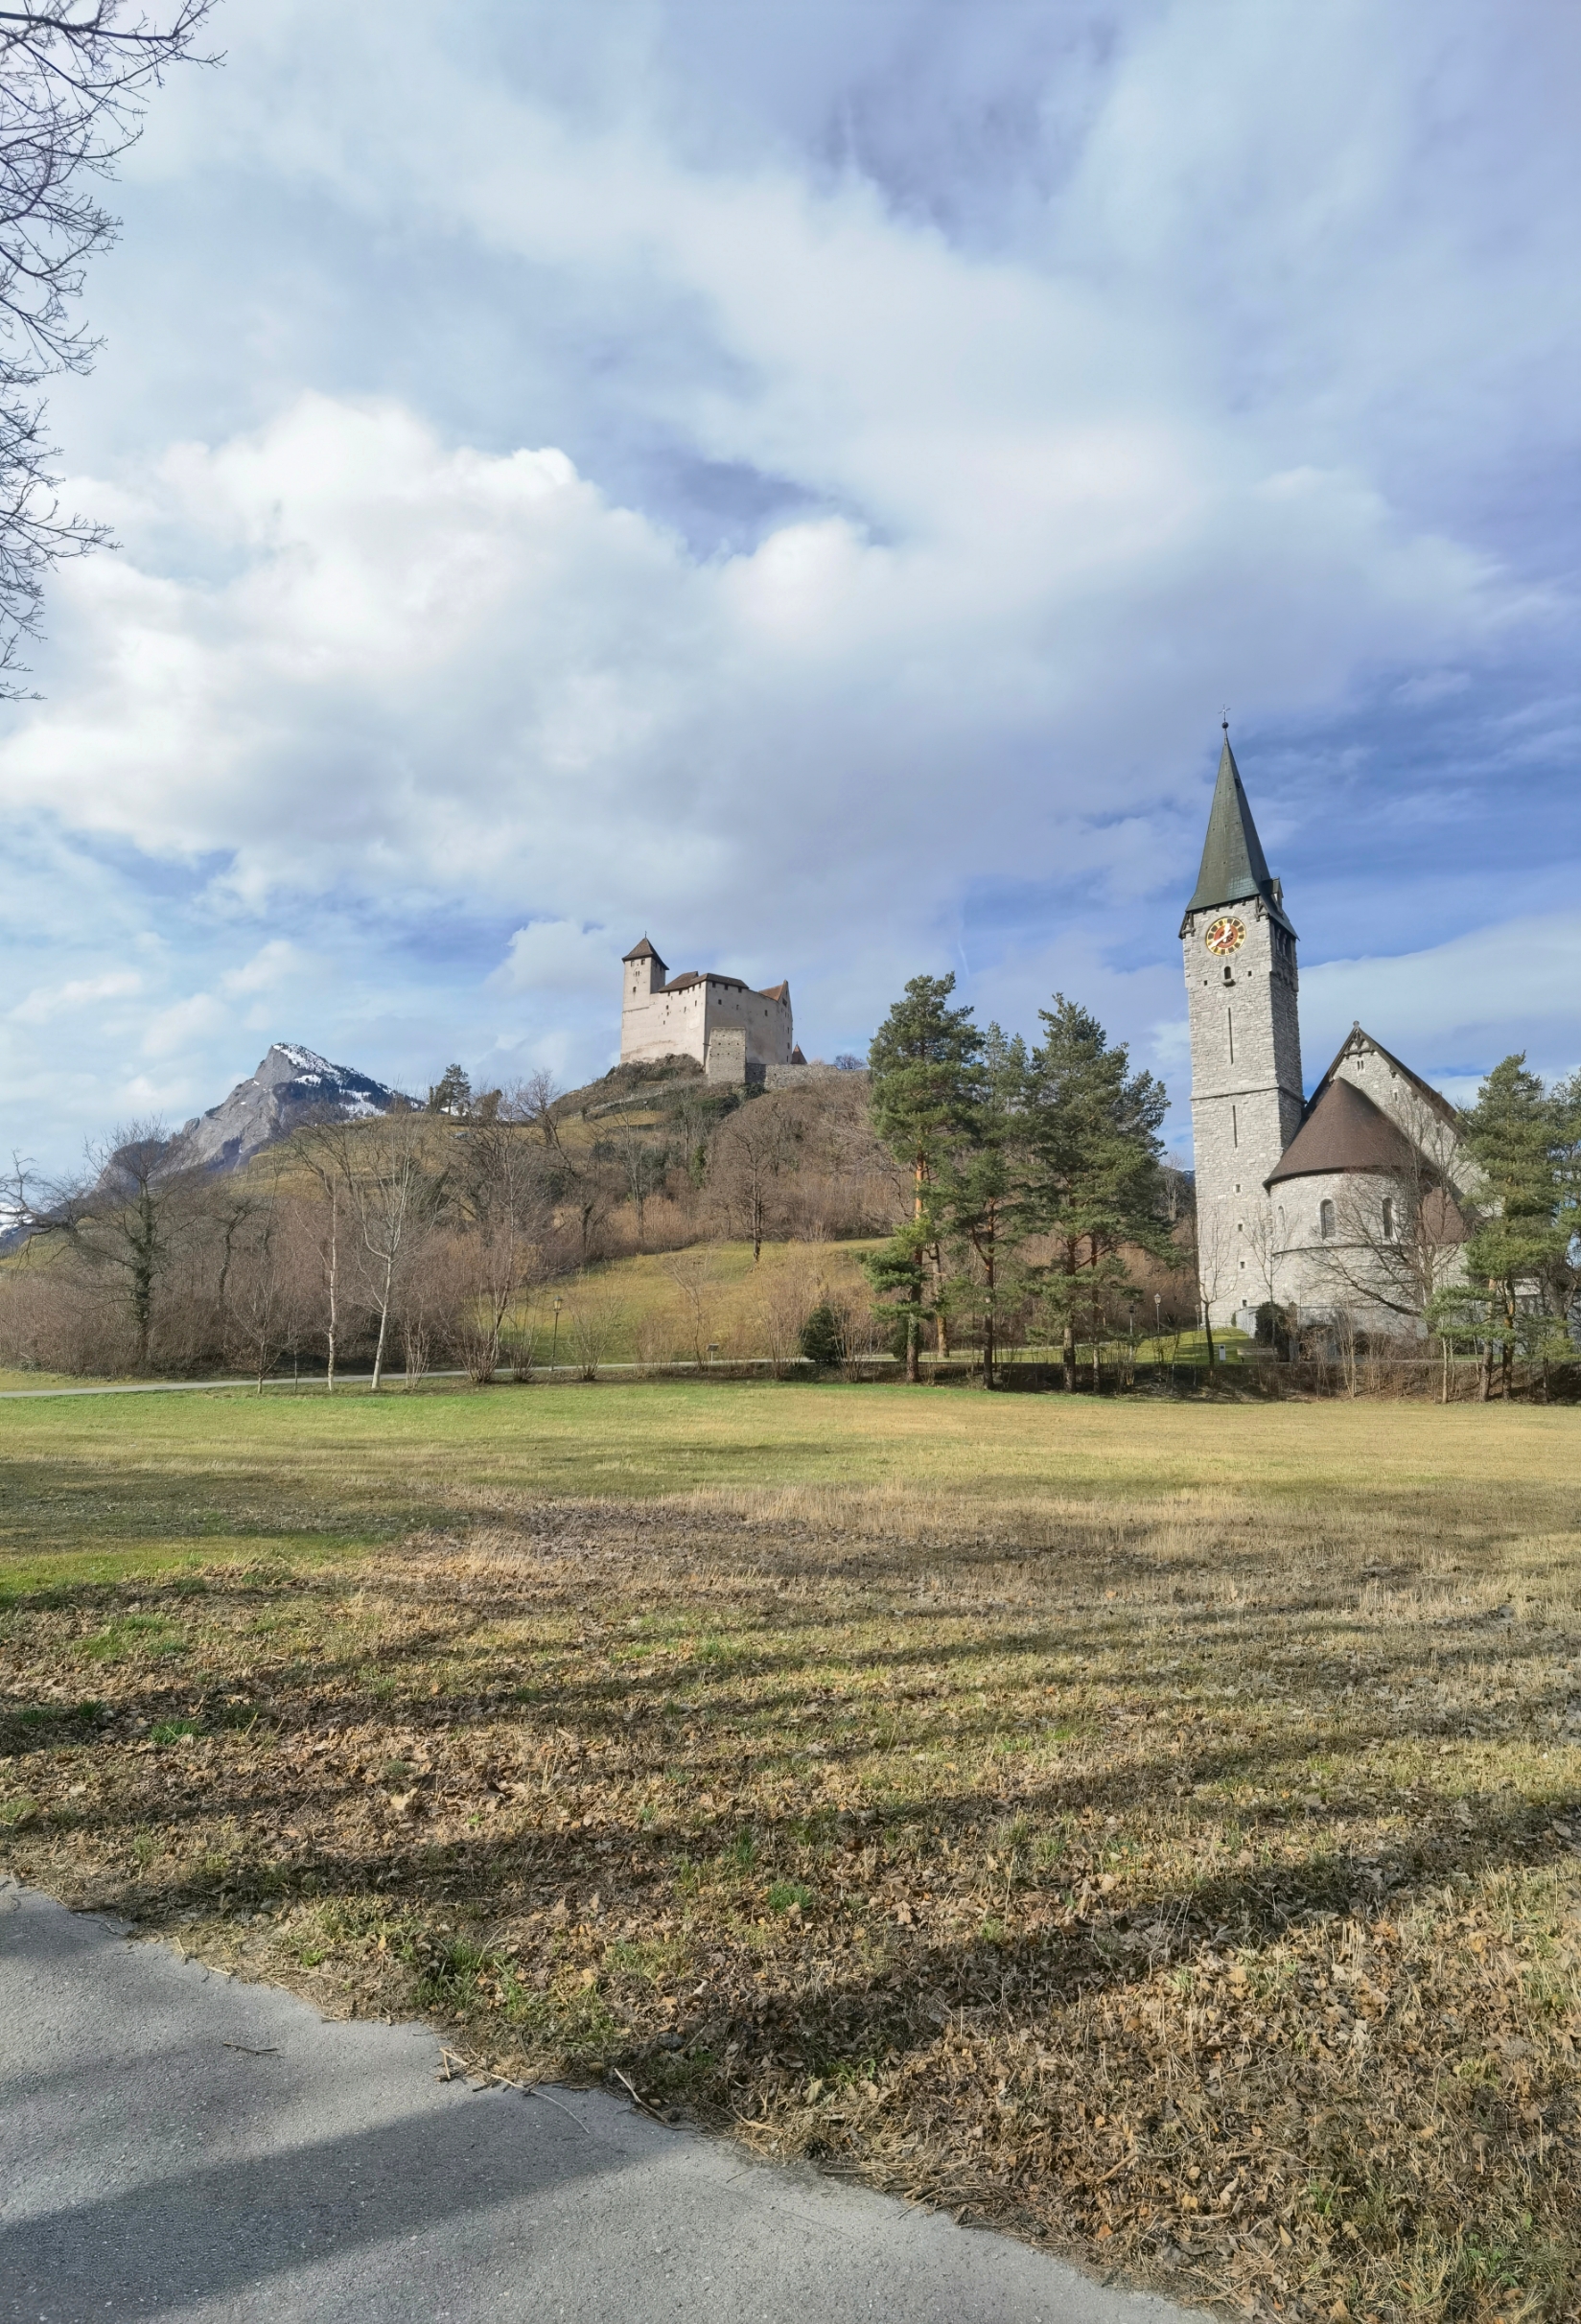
{"x": 660, "y": 1019}
{"x": 1247, "y": 1098}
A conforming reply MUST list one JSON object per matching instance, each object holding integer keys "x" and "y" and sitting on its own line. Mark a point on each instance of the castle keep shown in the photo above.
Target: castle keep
{"x": 1346, "y": 1202}
{"x": 718, "y": 1020}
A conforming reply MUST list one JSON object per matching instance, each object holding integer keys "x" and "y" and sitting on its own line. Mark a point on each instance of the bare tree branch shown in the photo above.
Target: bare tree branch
{"x": 73, "y": 87}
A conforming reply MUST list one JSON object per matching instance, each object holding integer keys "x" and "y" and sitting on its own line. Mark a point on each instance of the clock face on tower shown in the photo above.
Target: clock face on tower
{"x": 1226, "y": 934}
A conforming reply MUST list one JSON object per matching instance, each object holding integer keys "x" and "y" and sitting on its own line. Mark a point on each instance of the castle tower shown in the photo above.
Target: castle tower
{"x": 1238, "y": 952}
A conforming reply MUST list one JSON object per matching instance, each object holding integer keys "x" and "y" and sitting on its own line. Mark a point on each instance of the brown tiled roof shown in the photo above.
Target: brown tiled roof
{"x": 643, "y": 951}
{"x": 775, "y": 992}
{"x": 1344, "y": 1131}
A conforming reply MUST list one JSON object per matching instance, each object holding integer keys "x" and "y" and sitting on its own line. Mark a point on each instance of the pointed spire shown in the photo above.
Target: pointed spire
{"x": 1234, "y": 867}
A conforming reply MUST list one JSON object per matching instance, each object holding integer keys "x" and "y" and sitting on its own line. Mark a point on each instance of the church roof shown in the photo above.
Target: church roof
{"x": 1356, "y": 1041}
{"x": 1234, "y": 869}
{"x": 1345, "y": 1130}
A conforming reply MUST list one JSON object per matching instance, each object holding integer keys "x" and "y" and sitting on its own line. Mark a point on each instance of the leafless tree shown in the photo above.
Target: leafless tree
{"x": 752, "y": 1153}
{"x": 323, "y": 1148}
{"x": 260, "y": 1315}
{"x": 693, "y": 1275}
{"x": 596, "y": 1317}
{"x": 534, "y": 1100}
{"x": 395, "y": 1191}
{"x": 503, "y": 1194}
{"x": 643, "y": 1163}
{"x": 119, "y": 1219}
{"x": 1214, "y": 1260}
{"x": 73, "y": 78}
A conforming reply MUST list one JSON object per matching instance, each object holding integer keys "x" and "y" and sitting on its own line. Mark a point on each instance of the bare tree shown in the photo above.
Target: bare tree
{"x": 596, "y": 1318}
{"x": 505, "y": 1198}
{"x": 72, "y": 84}
{"x": 120, "y": 1218}
{"x": 693, "y": 1275}
{"x": 753, "y": 1152}
{"x": 1213, "y": 1260}
{"x": 324, "y": 1151}
{"x": 644, "y": 1164}
{"x": 259, "y": 1317}
{"x": 394, "y": 1191}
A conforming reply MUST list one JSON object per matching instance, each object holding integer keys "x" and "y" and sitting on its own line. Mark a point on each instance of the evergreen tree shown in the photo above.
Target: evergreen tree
{"x": 1523, "y": 1140}
{"x": 926, "y": 1065}
{"x": 1093, "y": 1181}
{"x": 978, "y": 1191}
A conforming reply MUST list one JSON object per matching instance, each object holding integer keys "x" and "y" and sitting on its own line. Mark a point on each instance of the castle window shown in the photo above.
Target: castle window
{"x": 1229, "y": 974}
{"x": 1235, "y": 1131}
{"x": 1229, "y": 1020}
{"x": 1325, "y": 1220}
{"x": 1388, "y": 1218}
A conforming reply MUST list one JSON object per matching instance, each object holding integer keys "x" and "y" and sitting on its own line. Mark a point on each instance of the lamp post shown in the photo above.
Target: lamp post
{"x": 554, "y": 1345}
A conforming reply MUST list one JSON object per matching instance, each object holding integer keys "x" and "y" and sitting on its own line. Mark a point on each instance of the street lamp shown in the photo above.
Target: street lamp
{"x": 554, "y": 1345}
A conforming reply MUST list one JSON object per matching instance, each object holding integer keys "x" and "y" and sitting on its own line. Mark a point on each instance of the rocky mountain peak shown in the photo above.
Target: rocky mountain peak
{"x": 290, "y": 1083}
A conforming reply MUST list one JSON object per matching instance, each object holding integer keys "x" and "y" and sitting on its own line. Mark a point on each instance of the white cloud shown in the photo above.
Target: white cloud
{"x": 178, "y": 1028}
{"x": 1510, "y": 985}
{"x": 274, "y": 965}
{"x": 1073, "y": 380}
{"x": 558, "y": 957}
{"x": 43, "y": 1005}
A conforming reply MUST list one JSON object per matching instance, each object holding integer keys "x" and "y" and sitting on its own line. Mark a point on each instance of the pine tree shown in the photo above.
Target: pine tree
{"x": 1093, "y": 1181}
{"x": 978, "y": 1192}
{"x": 926, "y": 1065}
{"x": 1525, "y": 1141}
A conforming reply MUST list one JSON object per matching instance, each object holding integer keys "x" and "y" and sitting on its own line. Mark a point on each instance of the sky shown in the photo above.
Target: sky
{"x": 805, "y": 484}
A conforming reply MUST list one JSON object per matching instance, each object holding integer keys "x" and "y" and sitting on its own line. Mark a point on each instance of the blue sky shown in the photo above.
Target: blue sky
{"x": 803, "y": 483}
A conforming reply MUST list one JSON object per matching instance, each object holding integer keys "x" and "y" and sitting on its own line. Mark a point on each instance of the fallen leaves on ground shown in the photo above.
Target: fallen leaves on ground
{"x": 1195, "y": 1894}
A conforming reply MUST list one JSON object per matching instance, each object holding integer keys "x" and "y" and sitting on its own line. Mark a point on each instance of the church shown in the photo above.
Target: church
{"x": 1350, "y": 1203}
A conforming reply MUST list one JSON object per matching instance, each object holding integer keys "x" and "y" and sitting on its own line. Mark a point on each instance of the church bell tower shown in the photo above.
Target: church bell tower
{"x": 1239, "y": 952}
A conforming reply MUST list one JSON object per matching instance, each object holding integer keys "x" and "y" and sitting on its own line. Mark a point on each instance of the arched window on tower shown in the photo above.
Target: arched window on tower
{"x": 1325, "y": 1220}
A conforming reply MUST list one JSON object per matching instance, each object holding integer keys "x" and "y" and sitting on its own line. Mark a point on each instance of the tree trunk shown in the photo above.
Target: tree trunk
{"x": 333, "y": 1291}
{"x": 1067, "y": 1355}
{"x": 988, "y": 1350}
{"x": 1485, "y": 1376}
{"x": 384, "y": 1323}
{"x": 913, "y": 1368}
{"x": 1507, "y": 1354}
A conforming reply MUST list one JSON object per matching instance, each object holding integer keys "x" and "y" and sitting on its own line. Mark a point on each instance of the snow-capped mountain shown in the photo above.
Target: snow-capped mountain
{"x": 291, "y": 1084}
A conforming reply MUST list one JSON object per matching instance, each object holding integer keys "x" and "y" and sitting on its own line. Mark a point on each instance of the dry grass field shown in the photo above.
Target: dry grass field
{"x": 1154, "y": 1828}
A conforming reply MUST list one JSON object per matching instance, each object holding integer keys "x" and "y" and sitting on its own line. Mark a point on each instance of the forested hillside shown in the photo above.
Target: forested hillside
{"x": 652, "y": 1217}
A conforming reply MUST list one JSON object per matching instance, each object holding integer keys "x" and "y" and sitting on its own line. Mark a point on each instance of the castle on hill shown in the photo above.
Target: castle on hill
{"x": 724, "y": 1024}
{"x": 1346, "y": 1202}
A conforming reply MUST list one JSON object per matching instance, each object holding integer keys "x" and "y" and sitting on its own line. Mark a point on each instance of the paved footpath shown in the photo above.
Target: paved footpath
{"x": 176, "y": 2144}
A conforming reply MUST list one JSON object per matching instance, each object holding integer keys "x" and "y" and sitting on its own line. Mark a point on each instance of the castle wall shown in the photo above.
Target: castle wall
{"x": 661, "y": 1018}
{"x": 765, "y": 1020}
{"x": 1247, "y": 1098}
{"x": 661, "y": 1023}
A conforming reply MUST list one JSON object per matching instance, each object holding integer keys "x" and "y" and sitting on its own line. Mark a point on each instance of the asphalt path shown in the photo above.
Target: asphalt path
{"x": 175, "y": 2143}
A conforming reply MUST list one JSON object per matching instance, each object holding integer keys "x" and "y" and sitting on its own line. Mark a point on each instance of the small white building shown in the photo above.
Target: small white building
{"x": 718, "y": 1020}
